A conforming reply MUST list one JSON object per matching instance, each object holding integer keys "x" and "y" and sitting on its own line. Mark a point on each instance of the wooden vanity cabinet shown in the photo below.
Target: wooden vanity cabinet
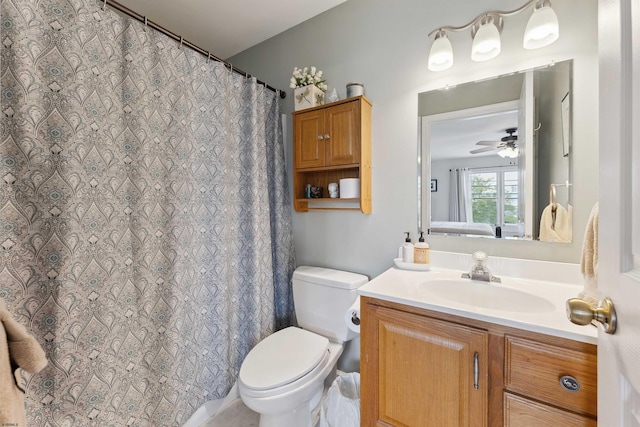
{"x": 534, "y": 373}
{"x": 417, "y": 370}
{"x": 332, "y": 142}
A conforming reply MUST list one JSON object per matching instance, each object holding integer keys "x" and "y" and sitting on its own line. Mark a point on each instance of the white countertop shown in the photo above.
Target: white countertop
{"x": 408, "y": 287}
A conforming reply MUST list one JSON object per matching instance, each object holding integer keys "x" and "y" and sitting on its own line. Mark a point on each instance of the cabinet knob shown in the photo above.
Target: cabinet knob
{"x": 320, "y": 138}
{"x": 326, "y": 136}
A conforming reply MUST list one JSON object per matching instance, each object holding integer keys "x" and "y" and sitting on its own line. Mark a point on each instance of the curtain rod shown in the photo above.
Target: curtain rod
{"x": 493, "y": 167}
{"x": 484, "y": 167}
{"x": 114, "y": 4}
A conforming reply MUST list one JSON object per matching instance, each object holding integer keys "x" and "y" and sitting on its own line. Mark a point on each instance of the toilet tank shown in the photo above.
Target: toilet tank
{"x": 322, "y": 296}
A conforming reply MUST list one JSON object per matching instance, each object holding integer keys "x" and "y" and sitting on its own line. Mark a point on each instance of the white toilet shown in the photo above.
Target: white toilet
{"x": 282, "y": 378}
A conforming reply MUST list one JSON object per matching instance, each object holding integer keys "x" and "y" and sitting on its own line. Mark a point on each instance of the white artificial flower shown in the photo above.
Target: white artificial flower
{"x": 307, "y": 76}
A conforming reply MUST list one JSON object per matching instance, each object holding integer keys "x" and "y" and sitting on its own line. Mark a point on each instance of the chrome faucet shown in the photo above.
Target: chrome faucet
{"x": 480, "y": 270}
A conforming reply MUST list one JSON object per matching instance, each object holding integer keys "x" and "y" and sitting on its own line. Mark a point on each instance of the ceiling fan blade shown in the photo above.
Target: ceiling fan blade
{"x": 482, "y": 150}
{"x": 488, "y": 142}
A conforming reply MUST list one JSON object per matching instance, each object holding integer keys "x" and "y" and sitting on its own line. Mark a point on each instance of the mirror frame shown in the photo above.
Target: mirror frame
{"x": 424, "y": 148}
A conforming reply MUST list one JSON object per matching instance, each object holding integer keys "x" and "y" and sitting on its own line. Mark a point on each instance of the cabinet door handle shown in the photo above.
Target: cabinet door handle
{"x": 326, "y": 136}
{"x": 476, "y": 371}
{"x": 320, "y": 138}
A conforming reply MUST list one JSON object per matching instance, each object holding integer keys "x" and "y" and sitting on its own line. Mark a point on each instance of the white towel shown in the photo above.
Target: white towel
{"x": 562, "y": 230}
{"x": 18, "y": 349}
{"x": 589, "y": 260}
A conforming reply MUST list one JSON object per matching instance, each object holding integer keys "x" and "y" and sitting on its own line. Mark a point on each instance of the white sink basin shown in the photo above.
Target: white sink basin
{"x": 491, "y": 296}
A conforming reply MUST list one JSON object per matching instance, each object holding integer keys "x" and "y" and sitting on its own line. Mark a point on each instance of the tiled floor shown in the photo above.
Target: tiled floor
{"x": 234, "y": 415}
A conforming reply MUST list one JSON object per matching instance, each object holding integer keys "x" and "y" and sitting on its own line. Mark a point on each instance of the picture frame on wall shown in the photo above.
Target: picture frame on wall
{"x": 434, "y": 185}
{"x": 566, "y": 124}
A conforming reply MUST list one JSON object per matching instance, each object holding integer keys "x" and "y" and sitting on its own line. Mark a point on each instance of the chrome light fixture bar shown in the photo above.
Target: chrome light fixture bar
{"x": 542, "y": 30}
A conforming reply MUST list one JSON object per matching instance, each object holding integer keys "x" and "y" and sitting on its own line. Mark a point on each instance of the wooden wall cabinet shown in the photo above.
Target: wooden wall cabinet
{"x": 418, "y": 369}
{"x": 332, "y": 142}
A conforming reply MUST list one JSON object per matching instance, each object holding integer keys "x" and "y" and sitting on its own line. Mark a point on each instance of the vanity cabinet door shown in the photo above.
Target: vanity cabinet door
{"x": 417, "y": 371}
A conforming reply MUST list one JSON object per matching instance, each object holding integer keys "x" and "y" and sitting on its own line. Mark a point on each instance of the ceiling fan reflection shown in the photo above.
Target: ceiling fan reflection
{"x": 508, "y": 145}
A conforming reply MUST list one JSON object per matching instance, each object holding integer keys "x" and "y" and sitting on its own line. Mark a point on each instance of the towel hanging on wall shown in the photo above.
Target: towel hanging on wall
{"x": 589, "y": 259}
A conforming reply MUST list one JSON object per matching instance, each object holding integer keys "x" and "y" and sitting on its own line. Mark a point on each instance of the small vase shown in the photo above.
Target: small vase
{"x": 307, "y": 97}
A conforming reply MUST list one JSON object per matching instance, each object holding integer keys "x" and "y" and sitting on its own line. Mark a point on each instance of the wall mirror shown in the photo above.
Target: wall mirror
{"x": 495, "y": 157}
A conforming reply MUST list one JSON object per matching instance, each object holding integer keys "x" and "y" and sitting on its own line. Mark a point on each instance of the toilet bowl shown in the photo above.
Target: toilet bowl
{"x": 283, "y": 376}
{"x": 290, "y": 398}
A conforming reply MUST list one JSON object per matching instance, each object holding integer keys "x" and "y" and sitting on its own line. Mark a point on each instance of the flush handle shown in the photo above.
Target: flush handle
{"x": 355, "y": 319}
{"x": 580, "y": 312}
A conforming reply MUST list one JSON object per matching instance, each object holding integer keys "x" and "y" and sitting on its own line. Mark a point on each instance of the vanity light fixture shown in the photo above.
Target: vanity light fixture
{"x": 542, "y": 30}
{"x": 486, "y": 38}
{"x": 441, "y": 54}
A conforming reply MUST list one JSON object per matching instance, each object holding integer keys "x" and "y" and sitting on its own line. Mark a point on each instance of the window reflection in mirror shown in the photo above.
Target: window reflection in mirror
{"x": 495, "y": 148}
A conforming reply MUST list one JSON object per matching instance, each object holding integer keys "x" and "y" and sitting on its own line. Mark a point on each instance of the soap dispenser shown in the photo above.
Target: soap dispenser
{"x": 421, "y": 251}
{"x": 407, "y": 249}
{"x": 407, "y": 239}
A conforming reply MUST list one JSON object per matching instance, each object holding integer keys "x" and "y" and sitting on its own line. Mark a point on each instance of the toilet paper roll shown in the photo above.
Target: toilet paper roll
{"x": 350, "y": 188}
{"x": 352, "y": 316}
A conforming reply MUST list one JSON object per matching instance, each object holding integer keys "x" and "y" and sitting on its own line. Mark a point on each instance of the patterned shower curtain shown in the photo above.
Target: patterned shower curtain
{"x": 145, "y": 226}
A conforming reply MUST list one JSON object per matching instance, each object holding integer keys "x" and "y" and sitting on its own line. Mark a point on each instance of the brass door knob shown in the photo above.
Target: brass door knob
{"x": 581, "y": 313}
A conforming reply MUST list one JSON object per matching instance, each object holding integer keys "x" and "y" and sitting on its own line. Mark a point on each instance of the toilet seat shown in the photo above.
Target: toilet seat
{"x": 281, "y": 359}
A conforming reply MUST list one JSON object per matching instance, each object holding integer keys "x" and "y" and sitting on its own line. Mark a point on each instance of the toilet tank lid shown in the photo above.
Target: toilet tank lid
{"x": 330, "y": 277}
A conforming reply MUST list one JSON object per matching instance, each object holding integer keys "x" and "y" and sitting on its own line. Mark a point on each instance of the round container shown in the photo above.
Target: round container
{"x": 354, "y": 89}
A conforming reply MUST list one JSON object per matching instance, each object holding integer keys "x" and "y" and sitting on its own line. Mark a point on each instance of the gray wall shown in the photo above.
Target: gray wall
{"x": 384, "y": 45}
{"x": 476, "y": 94}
